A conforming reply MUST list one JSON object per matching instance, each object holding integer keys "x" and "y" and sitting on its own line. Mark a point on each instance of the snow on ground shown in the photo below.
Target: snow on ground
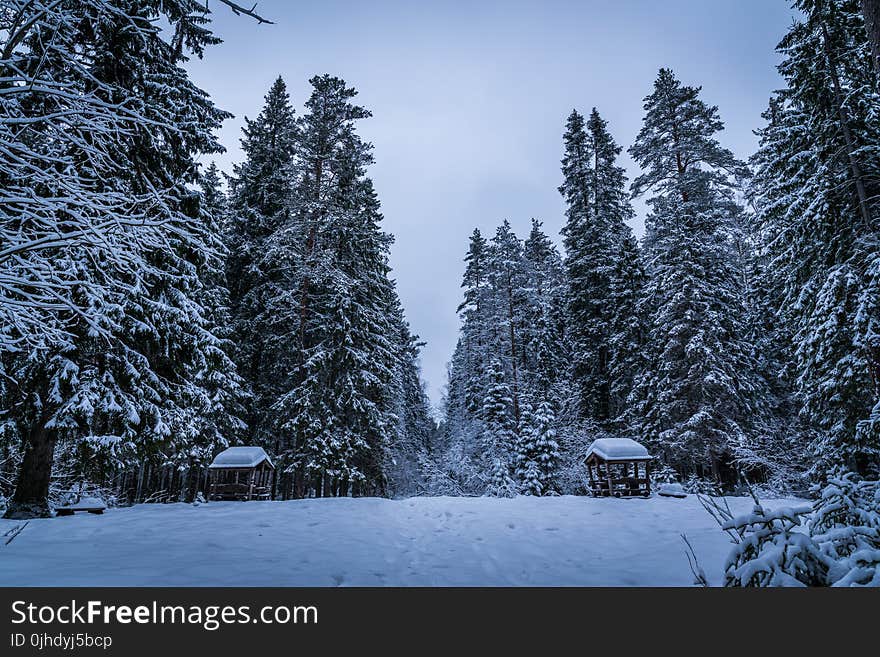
{"x": 440, "y": 541}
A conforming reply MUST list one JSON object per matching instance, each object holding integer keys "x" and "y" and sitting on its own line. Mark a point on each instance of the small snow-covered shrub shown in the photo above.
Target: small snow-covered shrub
{"x": 770, "y": 552}
{"x": 780, "y": 483}
{"x": 501, "y": 484}
{"x": 696, "y": 485}
{"x": 846, "y": 516}
{"x": 662, "y": 473}
{"x": 835, "y": 542}
{"x": 532, "y": 482}
{"x": 846, "y": 524}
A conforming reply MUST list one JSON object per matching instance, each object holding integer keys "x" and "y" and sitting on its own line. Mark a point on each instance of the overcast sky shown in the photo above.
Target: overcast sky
{"x": 469, "y": 101}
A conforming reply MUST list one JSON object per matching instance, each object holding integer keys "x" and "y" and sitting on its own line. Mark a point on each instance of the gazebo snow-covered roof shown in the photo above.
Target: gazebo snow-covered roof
{"x": 241, "y": 457}
{"x": 618, "y": 449}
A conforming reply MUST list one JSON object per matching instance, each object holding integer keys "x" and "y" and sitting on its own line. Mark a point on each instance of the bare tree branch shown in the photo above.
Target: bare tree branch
{"x": 700, "y": 578}
{"x": 238, "y": 10}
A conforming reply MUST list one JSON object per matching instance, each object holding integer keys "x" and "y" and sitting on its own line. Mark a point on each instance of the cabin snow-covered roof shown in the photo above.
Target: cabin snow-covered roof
{"x": 618, "y": 449}
{"x": 241, "y": 457}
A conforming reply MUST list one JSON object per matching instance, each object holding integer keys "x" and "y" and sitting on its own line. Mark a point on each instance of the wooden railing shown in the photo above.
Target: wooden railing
{"x": 621, "y": 486}
{"x": 239, "y": 491}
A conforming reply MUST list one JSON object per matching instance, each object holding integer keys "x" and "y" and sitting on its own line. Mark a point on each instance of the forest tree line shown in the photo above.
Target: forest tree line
{"x": 739, "y": 339}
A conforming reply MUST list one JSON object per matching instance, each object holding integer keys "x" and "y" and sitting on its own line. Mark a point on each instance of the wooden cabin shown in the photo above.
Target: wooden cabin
{"x": 619, "y": 467}
{"x": 241, "y": 473}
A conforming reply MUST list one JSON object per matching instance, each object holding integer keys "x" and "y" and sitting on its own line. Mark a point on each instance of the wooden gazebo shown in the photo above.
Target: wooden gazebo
{"x": 241, "y": 473}
{"x": 618, "y": 467}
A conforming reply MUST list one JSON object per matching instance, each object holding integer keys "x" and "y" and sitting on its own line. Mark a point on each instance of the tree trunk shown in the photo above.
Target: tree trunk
{"x": 843, "y": 115}
{"x": 510, "y": 321}
{"x": 139, "y": 490}
{"x": 679, "y": 163}
{"x": 195, "y": 478}
{"x": 871, "y": 11}
{"x": 31, "y": 498}
{"x": 310, "y": 248}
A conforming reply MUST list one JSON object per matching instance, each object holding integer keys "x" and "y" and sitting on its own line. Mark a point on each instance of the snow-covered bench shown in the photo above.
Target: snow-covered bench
{"x": 88, "y": 504}
{"x": 672, "y": 490}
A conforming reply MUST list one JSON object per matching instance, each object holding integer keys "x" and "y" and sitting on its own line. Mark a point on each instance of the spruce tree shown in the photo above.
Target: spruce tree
{"x": 337, "y": 412}
{"x": 691, "y": 404}
{"x": 120, "y": 383}
{"x": 499, "y": 436}
{"x": 816, "y": 195}
{"x": 414, "y": 435}
{"x": 584, "y": 272}
{"x": 507, "y": 277}
{"x": 261, "y": 279}
{"x": 543, "y": 342}
{"x": 475, "y": 311}
{"x": 461, "y": 455}
{"x": 538, "y": 451}
{"x": 603, "y": 268}
{"x": 611, "y": 211}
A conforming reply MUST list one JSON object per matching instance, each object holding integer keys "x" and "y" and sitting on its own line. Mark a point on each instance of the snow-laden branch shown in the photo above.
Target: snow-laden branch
{"x": 60, "y": 130}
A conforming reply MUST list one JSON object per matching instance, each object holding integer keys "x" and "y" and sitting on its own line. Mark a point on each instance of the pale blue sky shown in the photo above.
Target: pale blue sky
{"x": 469, "y": 102}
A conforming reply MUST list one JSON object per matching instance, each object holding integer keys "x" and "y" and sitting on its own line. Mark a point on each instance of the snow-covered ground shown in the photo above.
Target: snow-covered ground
{"x": 441, "y": 541}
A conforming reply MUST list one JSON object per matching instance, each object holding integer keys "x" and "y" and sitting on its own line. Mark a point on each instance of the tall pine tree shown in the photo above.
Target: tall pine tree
{"x": 816, "y": 194}
{"x": 692, "y": 402}
{"x": 121, "y": 383}
{"x": 337, "y": 413}
{"x": 603, "y": 268}
{"x": 263, "y": 281}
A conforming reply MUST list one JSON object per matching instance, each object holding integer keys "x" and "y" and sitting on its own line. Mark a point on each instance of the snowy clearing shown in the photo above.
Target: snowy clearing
{"x": 439, "y": 541}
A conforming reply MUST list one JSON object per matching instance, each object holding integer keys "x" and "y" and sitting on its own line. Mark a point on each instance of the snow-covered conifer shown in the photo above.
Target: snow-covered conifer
{"x": 692, "y": 401}
{"x": 816, "y": 200}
